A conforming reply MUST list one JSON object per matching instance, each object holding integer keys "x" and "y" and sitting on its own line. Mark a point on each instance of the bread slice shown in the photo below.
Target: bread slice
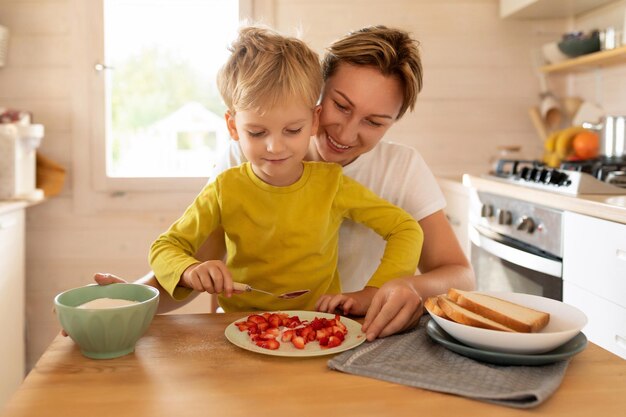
{"x": 462, "y": 315}
{"x": 433, "y": 307}
{"x": 517, "y": 317}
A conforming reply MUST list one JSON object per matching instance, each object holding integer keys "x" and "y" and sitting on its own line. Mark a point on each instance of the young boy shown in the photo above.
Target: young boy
{"x": 280, "y": 215}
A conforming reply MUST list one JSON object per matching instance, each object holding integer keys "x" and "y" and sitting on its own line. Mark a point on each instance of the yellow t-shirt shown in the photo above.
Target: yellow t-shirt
{"x": 281, "y": 239}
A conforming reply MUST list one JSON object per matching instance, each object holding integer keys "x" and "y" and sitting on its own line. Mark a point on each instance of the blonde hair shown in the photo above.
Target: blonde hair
{"x": 266, "y": 68}
{"x": 392, "y": 51}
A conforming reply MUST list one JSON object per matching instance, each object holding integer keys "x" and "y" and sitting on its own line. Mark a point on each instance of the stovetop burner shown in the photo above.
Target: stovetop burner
{"x": 596, "y": 176}
{"x": 599, "y": 168}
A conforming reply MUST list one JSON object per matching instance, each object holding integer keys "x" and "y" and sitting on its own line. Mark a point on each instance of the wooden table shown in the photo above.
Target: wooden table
{"x": 184, "y": 366}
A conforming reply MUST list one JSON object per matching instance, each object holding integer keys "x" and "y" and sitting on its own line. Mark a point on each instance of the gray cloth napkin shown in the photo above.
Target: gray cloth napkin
{"x": 413, "y": 358}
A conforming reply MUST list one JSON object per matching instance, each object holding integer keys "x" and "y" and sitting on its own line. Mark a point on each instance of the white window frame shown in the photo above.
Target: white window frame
{"x": 94, "y": 191}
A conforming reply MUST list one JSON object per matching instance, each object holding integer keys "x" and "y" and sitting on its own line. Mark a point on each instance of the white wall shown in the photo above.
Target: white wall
{"x": 478, "y": 78}
{"x": 478, "y": 87}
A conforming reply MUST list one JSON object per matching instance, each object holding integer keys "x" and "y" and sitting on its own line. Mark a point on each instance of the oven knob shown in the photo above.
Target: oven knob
{"x": 525, "y": 173}
{"x": 486, "y": 210}
{"x": 505, "y": 217}
{"x": 526, "y": 224}
{"x": 534, "y": 175}
{"x": 555, "y": 178}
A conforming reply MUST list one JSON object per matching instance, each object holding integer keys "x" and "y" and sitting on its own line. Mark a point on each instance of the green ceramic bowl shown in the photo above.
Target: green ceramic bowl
{"x": 105, "y": 333}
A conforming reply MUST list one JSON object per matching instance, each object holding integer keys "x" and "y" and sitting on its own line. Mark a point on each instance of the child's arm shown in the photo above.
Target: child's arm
{"x": 171, "y": 254}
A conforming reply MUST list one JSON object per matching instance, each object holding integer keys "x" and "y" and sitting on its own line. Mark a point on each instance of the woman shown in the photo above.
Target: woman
{"x": 372, "y": 77}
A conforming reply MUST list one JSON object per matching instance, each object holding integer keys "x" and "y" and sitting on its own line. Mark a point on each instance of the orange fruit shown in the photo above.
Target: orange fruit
{"x": 586, "y": 145}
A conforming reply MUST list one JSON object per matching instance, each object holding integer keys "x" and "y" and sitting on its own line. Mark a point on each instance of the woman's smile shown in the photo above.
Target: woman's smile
{"x": 337, "y": 147}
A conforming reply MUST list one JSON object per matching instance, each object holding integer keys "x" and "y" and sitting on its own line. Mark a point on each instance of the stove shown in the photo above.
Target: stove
{"x": 595, "y": 176}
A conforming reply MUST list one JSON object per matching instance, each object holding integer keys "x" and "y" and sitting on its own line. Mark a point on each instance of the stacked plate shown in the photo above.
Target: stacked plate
{"x": 559, "y": 340}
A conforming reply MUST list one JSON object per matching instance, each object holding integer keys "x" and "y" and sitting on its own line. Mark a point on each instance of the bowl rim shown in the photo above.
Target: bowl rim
{"x": 537, "y": 335}
{"x": 155, "y": 295}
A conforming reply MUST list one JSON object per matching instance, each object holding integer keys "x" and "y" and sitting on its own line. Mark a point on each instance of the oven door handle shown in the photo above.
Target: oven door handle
{"x": 516, "y": 256}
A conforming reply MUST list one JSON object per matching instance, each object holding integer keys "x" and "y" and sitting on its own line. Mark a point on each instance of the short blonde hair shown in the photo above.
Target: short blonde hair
{"x": 266, "y": 68}
{"x": 392, "y": 51}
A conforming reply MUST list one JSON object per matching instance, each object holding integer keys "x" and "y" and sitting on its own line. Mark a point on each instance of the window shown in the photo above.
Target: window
{"x": 157, "y": 113}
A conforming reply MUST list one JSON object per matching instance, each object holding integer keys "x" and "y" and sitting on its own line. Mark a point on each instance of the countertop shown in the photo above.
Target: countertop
{"x": 185, "y": 366}
{"x": 608, "y": 207}
{"x": 12, "y": 205}
{"x": 7, "y": 206}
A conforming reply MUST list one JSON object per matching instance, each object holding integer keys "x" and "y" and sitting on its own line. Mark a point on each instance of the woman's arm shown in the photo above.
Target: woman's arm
{"x": 397, "y": 305}
{"x": 213, "y": 248}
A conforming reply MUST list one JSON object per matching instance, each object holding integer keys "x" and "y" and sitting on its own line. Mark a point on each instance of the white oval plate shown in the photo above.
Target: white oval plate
{"x": 354, "y": 337}
{"x": 566, "y": 322}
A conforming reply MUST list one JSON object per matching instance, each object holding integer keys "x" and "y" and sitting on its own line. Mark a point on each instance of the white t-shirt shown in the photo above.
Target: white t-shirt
{"x": 395, "y": 172}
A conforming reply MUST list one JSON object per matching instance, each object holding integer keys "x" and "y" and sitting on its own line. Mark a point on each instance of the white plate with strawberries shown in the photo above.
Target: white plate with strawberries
{"x": 295, "y": 333}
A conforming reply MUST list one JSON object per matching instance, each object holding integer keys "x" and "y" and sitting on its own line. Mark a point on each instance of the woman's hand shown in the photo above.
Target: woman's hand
{"x": 102, "y": 279}
{"x": 353, "y": 303}
{"x": 210, "y": 276}
{"x": 396, "y": 306}
{"x": 106, "y": 279}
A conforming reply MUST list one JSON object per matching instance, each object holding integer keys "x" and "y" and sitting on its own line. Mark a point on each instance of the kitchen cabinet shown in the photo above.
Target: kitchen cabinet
{"x": 607, "y": 320}
{"x": 547, "y": 9}
{"x": 457, "y": 209}
{"x": 12, "y": 295}
{"x": 594, "y": 272}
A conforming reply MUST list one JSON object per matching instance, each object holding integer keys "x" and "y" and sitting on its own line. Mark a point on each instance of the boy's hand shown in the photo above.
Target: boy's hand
{"x": 353, "y": 303}
{"x": 210, "y": 276}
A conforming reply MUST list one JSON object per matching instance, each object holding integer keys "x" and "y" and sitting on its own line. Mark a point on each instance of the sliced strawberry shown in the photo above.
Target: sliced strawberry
{"x": 333, "y": 341}
{"x": 340, "y": 336}
{"x": 271, "y": 344}
{"x": 337, "y": 329}
{"x": 318, "y": 324}
{"x": 287, "y": 335}
{"x": 291, "y": 322}
{"x": 275, "y": 320}
{"x": 340, "y": 324}
{"x": 322, "y": 333}
{"x": 252, "y": 328}
{"x": 265, "y": 329}
{"x": 308, "y": 333}
{"x": 298, "y": 342}
{"x": 271, "y": 333}
{"x": 242, "y": 326}
{"x": 255, "y": 318}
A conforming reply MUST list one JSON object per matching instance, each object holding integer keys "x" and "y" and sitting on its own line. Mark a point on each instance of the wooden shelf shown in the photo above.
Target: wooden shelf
{"x": 585, "y": 62}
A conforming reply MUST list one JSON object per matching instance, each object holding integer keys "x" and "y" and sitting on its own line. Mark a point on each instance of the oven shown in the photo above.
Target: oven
{"x": 516, "y": 245}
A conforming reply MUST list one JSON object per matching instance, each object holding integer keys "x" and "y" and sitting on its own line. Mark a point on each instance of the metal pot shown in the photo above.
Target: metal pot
{"x": 612, "y": 136}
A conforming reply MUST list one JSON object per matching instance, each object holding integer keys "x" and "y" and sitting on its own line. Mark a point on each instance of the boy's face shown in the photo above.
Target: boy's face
{"x": 275, "y": 142}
